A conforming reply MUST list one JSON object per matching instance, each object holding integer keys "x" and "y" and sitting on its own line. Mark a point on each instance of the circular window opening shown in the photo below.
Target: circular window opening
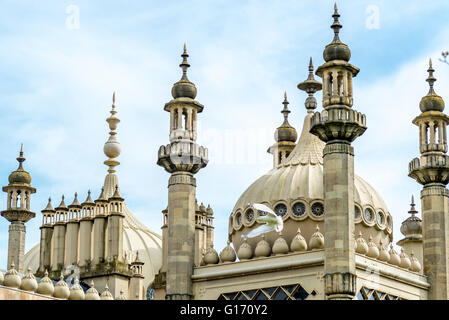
{"x": 299, "y": 209}
{"x": 318, "y": 209}
{"x": 380, "y": 218}
{"x": 356, "y": 212}
{"x": 238, "y": 218}
{"x": 249, "y": 215}
{"x": 281, "y": 209}
{"x": 369, "y": 215}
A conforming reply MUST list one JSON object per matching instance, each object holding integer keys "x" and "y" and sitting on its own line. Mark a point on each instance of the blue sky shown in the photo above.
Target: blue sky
{"x": 57, "y": 81}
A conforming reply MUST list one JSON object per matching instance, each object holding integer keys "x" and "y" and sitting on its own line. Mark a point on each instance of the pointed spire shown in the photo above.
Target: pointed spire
{"x": 412, "y": 208}
{"x": 20, "y": 158}
{"x": 49, "y": 207}
{"x": 101, "y": 197}
{"x": 431, "y": 79}
{"x": 75, "y": 202}
{"x": 88, "y": 199}
{"x": 117, "y": 195}
{"x": 310, "y": 85}
{"x": 184, "y": 65}
{"x": 336, "y": 26}
{"x": 285, "y": 111}
{"x": 62, "y": 205}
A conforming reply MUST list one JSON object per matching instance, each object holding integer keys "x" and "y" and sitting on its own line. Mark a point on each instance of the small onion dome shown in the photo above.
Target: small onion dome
{"x": 209, "y": 210}
{"x": 298, "y": 243}
{"x": 12, "y": 278}
{"x": 383, "y": 253}
{"x": 405, "y": 260}
{"x": 92, "y": 293}
{"x": 263, "y": 248}
{"x": 362, "y": 246}
{"x": 29, "y": 282}
{"x": 106, "y": 295}
{"x": 45, "y": 286}
{"x": 1, "y": 277}
{"x": 202, "y": 207}
{"x": 285, "y": 133}
{"x": 61, "y": 289}
{"x": 20, "y": 176}
{"x": 316, "y": 240}
{"x": 412, "y": 226}
{"x": 415, "y": 266}
{"x": 432, "y": 101}
{"x": 184, "y": 88}
{"x": 336, "y": 50}
{"x": 227, "y": 254}
{"x": 211, "y": 256}
{"x": 76, "y": 291}
{"x": 394, "y": 257}
{"x": 121, "y": 296}
{"x": 373, "y": 250}
{"x": 245, "y": 251}
{"x": 280, "y": 246}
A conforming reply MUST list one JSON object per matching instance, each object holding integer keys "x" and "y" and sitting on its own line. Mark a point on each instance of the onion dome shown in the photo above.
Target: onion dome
{"x": 245, "y": 251}
{"x": 415, "y": 266}
{"x": 121, "y": 296}
{"x": 227, "y": 254}
{"x": 383, "y": 253}
{"x": 12, "y": 278}
{"x": 336, "y": 50}
{"x": 20, "y": 176}
{"x": 202, "y": 208}
{"x": 211, "y": 256}
{"x": 263, "y": 248}
{"x": 76, "y": 291}
{"x": 310, "y": 85}
{"x": 362, "y": 246}
{"x": 45, "y": 286}
{"x": 298, "y": 243}
{"x": 317, "y": 240}
{"x": 29, "y": 282}
{"x": 61, "y": 289}
{"x": 412, "y": 226}
{"x": 184, "y": 88}
{"x": 285, "y": 133}
{"x": 106, "y": 295}
{"x": 209, "y": 210}
{"x": 373, "y": 250}
{"x": 280, "y": 246}
{"x": 432, "y": 101}
{"x": 394, "y": 257}
{"x": 92, "y": 293}
{"x": 2, "y": 277}
{"x": 405, "y": 260}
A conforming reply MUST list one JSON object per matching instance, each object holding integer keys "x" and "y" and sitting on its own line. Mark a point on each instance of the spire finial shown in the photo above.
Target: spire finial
{"x": 412, "y": 207}
{"x": 431, "y": 79}
{"x": 112, "y": 147}
{"x": 285, "y": 111}
{"x": 336, "y": 26}
{"x": 184, "y": 65}
{"x": 310, "y": 85}
{"x": 20, "y": 158}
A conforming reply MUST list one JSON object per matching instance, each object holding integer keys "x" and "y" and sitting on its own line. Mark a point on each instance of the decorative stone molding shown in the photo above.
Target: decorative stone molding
{"x": 338, "y": 148}
{"x": 182, "y": 178}
{"x": 338, "y": 285}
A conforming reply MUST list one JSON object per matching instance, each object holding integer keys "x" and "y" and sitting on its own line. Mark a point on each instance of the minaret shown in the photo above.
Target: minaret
{"x": 18, "y": 212}
{"x": 285, "y": 137}
{"x": 411, "y": 228}
{"x": 338, "y": 125}
{"x": 182, "y": 158}
{"x": 45, "y": 249}
{"x": 432, "y": 171}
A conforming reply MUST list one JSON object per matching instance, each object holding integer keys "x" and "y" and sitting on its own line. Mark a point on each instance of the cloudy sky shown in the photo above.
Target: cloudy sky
{"x": 60, "y": 61}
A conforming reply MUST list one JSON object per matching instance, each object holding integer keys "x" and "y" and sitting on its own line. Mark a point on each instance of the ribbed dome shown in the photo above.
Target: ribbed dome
{"x": 20, "y": 176}
{"x": 296, "y": 187}
{"x": 136, "y": 237}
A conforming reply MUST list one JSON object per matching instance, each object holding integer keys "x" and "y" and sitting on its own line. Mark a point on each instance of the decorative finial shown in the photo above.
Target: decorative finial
{"x": 112, "y": 147}
{"x": 20, "y": 158}
{"x": 285, "y": 111}
{"x": 336, "y": 26}
{"x": 431, "y": 79}
{"x": 412, "y": 210}
{"x": 310, "y": 85}
{"x": 184, "y": 65}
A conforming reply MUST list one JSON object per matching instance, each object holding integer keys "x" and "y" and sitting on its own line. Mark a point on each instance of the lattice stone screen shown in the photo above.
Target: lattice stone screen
{"x": 371, "y": 294}
{"x": 289, "y": 292}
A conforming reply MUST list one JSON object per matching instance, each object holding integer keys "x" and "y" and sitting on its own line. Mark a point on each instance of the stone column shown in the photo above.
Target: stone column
{"x": 181, "y": 235}
{"x": 16, "y": 245}
{"x": 85, "y": 253}
{"x": 115, "y": 235}
{"x": 72, "y": 242}
{"x": 99, "y": 238}
{"x": 59, "y": 246}
{"x": 435, "y": 216}
{"x": 45, "y": 248}
{"x": 338, "y": 172}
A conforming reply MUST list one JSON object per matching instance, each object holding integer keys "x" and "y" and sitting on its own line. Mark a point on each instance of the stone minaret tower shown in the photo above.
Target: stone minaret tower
{"x": 432, "y": 171}
{"x": 182, "y": 158}
{"x": 338, "y": 125}
{"x": 18, "y": 212}
{"x": 285, "y": 137}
